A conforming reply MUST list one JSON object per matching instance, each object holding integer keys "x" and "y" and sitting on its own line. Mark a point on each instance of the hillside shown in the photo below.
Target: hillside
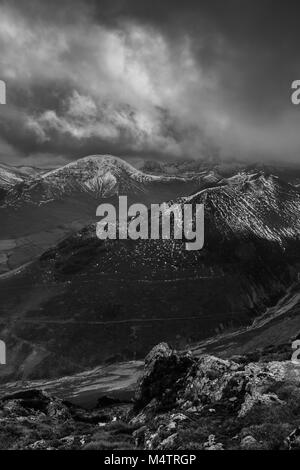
{"x": 87, "y": 302}
{"x": 38, "y": 212}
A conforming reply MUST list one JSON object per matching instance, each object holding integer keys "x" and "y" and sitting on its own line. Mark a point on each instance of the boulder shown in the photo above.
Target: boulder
{"x": 163, "y": 376}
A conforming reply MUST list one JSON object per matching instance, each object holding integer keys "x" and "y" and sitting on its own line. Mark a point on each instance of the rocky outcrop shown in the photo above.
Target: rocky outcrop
{"x": 211, "y": 403}
{"x": 162, "y": 376}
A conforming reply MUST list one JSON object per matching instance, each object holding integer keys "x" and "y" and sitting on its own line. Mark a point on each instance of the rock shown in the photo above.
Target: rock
{"x": 33, "y": 399}
{"x": 14, "y": 408}
{"x": 67, "y": 442}
{"x": 160, "y": 351}
{"x": 192, "y": 409}
{"x": 28, "y": 402}
{"x": 40, "y": 445}
{"x": 292, "y": 442}
{"x": 171, "y": 426}
{"x": 178, "y": 417}
{"x": 56, "y": 409}
{"x": 168, "y": 443}
{"x": 217, "y": 446}
{"x": 267, "y": 399}
{"x": 34, "y": 419}
{"x": 211, "y": 444}
{"x": 139, "y": 435}
{"x": 248, "y": 443}
{"x": 163, "y": 371}
{"x": 198, "y": 389}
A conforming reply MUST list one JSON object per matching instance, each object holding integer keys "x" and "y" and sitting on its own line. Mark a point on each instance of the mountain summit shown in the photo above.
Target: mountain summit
{"x": 98, "y": 176}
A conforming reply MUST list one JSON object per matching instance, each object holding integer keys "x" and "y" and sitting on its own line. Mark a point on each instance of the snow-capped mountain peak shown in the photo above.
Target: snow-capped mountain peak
{"x": 8, "y": 178}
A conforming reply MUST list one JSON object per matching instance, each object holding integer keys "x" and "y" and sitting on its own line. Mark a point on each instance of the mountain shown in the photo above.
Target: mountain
{"x": 252, "y": 205}
{"x": 13, "y": 175}
{"x": 216, "y": 169}
{"x": 99, "y": 176}
{"x": 268, "y": 337}
{"x": 39, "y": 212}
{"x": 86, "y": 301}
{"x": 8, "y": 177}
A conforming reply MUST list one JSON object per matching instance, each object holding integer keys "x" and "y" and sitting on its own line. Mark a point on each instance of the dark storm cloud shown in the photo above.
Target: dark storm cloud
{"x": 149, "y": 78}
{"x": 254, "y": 46}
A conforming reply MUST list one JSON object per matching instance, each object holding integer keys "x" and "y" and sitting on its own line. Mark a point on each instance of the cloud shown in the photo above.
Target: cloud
{"x": 164, "y": 79}
{"x": 82, "y": 119}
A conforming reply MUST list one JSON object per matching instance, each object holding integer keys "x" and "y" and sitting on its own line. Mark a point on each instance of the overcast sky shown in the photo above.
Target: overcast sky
{"x": 151, "y": 79}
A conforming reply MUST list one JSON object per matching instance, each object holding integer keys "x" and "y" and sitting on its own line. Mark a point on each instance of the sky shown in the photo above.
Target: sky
{"x": 149, "y": 79}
